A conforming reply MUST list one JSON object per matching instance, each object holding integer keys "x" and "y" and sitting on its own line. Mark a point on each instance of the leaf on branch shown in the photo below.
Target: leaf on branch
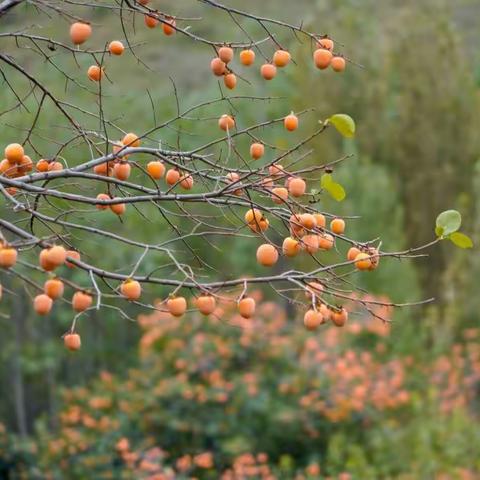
{"x": 447, "y": 223}
{"x": 336, "y": 190}
{"x": 461, "y": 240}
{"x": 343, "y": 123}
{"x": 326, "y": 180}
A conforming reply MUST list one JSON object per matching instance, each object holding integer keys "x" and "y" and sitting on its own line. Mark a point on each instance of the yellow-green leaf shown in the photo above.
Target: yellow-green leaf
{"x": 326, "y": 180}
{"x": 336, "y": 191}
{"x": 461, "y": 240}
{"x": 449, "y": 221}
{"x": 344, "y": 124}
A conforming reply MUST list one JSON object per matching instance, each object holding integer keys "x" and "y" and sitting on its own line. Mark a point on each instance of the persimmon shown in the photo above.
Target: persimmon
{"x": 290, "y": 247}
{"x": 116, "y": 47}
{"x": 225, "y": 54}
{"x": 322, "y": 58}
{"x": 72, "y": 341}
{"x": 117, "y": 147}
{"x": 337, "y": 225}
{"x": 41, "y": 165}
{"x": 95, "y": 73}
{"x": 54, "y": 288}
{"x": 352, "y": 253}
{"x": 226, "y": 122}
{"x": 26, "y": 164}
{"x": 276, "y": 170}
{"x": 7, "y": 168}
{"x": 267, "y": 255}
{"x": 101, "y": 169}
{"x": 310, "y": 243}
{"x": 143, "y": 2}
{"x": 150, "y": 22}
{"x": 217, "y": 66}
{"x": 172, "y": 177}
{"x": 74, "y": 255}
{"x": 131, "y": 289}
{"x": 56, "y": 255}
{"x": 254, "y": 215}
{"x": 246, "y": 307}
{"x": 55, "y": 167}
{"x": 308, "y": 221}
{"x": 325, "y": 241}
{"x": 118, "y": 208}
{"x": 297, "y": 187}
{"x": 339, "y": 317}
{"x": 374, "y": 257}
{"x": 247, "y": 57}
{"x": 230, "y": 81}
{"x": 320, "y": 219}
{"x": 14, "y": 153}
{"x": 312, "y": 320}
{"x": 314, "y": 288}
{"x": 267, "y": 183}
{"x": 268, "y": 71}
{"x": 363, "y": 262}
{"x": 233, "y": 177}
{"x": 291, "y": 122}
{"x": 325, "y": 311}
{"x": 177, "y": 306}
{"x": 206, "y": 304}
{"x": 131, "y": 140}
{"x": 102, "y": 196}
{"x": 42, "y": 304}
{"x": 186, "y": 182}
{"x": 261, "y": 226}
{"x": 257, "y": 150}
{"x": 122, "y": 170}
{"x": 80, "y": 32}
{"x": 281, "y": 58}
{"x": 81, "y": 301}
{"x": 296, "y": 227}
{"x": 338, "y": 64}
{"x": 156, "y": 169}
{"x": 279, "y": 195}
{"x": 8, "y": 257}
{"x": 12, "y": 190}
{"x": 169, "y": 27}
{"x": 326, "y": 43}
{"x": 45, "y": 262}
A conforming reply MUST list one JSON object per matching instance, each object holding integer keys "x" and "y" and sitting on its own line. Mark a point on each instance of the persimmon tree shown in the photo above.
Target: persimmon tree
{"x": 232, "y": 186}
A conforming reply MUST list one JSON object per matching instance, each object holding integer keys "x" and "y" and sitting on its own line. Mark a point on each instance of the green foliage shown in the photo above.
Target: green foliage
{"x": 461, "y": 240}
{"x": 343, "y": 123}
{"x": 212, "y": 395}
{"x": 447, "y": 223}
{"x": 447, "y": 226}
{"x": 336, "y": 190}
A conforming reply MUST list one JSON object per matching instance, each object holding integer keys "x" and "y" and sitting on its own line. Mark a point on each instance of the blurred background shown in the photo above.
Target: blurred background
{"x": 206, "y": 399}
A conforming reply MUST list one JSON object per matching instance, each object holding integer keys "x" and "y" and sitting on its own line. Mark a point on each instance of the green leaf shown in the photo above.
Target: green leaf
{"x": 344, "y": 124}
{"x": 449, "y": 221}
{"x": 439, "y": 231}
{"x": 461, "y": 240}
{"x": 326, "y": 180}
{"x": 336, "y": 191}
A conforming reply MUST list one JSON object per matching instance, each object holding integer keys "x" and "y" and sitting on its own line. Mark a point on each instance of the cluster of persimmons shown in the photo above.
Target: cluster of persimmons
{"x": 323, "y": 58}
{"x": 308, "y": 232}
